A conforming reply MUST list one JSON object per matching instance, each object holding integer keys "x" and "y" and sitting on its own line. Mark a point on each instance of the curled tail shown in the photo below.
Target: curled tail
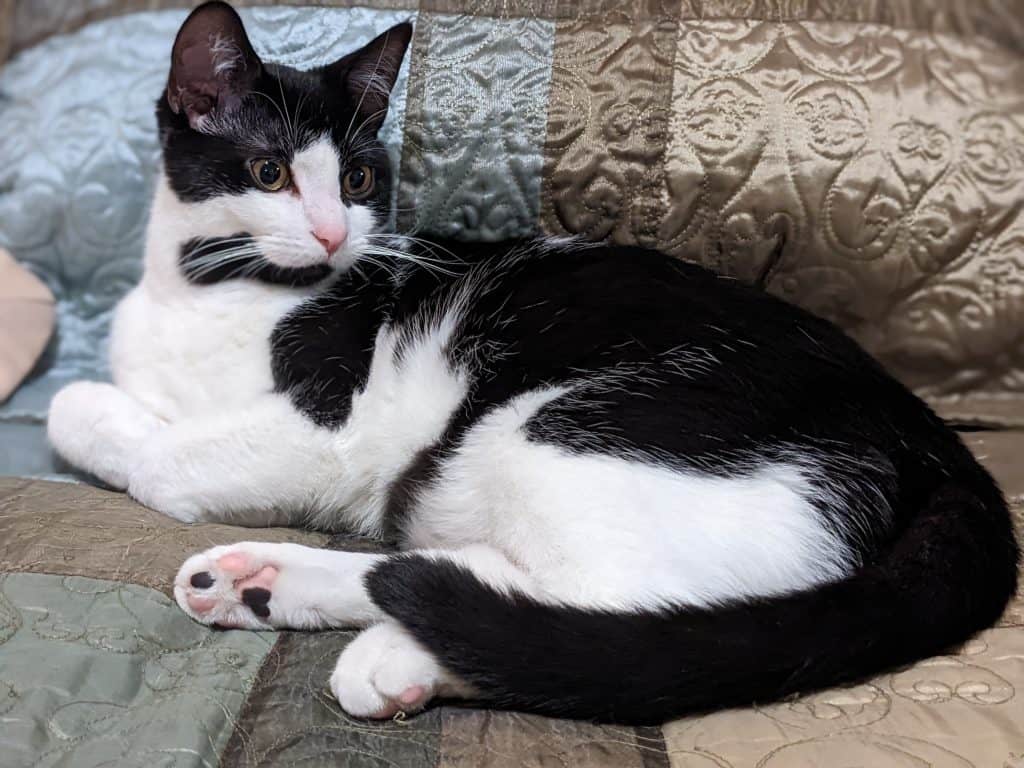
{"x": 948, "y": 575}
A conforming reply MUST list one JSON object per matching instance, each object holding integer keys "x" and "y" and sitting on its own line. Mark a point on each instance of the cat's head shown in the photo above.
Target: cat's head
{"x": 280, "y": 172}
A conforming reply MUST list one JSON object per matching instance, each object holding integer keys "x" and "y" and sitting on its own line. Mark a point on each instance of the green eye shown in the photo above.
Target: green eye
{"x": 268, "y": 174}
{"x": 358, "y": 182}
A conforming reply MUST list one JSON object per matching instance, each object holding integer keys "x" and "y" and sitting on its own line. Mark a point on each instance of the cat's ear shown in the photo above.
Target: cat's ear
{"x": 369, "y": 74}
{"x": 213, "y": 64}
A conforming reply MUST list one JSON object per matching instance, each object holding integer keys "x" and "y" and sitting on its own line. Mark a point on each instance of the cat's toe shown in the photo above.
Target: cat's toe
{"x": 385, "y": 671}
{"x": 226, "y": 586}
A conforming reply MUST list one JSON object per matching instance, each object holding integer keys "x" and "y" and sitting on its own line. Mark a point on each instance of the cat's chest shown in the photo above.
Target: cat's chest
{"x": 200, "y": 354}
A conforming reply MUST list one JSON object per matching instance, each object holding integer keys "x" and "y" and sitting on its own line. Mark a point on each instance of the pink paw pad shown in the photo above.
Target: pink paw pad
{"x": 201, "y": 605}
{"x": 235, "y": 564}
{"x": 410, "y": 699}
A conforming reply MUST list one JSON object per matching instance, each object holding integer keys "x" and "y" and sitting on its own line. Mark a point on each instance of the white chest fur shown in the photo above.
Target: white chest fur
{"x": 184, "y": 350}
{"x": 187, "y": 354}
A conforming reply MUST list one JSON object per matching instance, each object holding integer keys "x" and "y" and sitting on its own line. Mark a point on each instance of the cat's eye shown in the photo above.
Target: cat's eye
{"x": 269, "y": 174}
{"x": 358, "y": 182}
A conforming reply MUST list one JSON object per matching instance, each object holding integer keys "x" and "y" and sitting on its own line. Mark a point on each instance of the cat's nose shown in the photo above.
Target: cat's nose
{"x": 330, "y": 237}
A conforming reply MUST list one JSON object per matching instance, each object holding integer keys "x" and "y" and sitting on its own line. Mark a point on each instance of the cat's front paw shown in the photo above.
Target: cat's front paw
{"x": 152, "y": 485}
{"x": 100, "y": 429}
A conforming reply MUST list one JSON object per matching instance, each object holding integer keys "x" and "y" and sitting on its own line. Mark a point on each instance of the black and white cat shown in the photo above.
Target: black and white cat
{"x": 628, "y": 488}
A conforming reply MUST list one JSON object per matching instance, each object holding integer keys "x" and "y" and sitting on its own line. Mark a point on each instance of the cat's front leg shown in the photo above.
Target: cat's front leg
{"x": 100, "y": 429}
{"x": 258, "y": 463}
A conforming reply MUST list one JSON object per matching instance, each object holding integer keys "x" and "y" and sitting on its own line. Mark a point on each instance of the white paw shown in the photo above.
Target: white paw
{"x": 228, "y": 585}
{"x": 385, "y": 671}
{"x": 258, "y": 585}
{"x": 151, "y": 484}
{"x": 100, "y": 429}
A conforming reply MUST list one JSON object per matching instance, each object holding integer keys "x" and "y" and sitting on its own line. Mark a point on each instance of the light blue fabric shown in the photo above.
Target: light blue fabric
{"x": 99, "y": 673}
{"x": 78, "y": 156}
{"x": 475, "y": 128}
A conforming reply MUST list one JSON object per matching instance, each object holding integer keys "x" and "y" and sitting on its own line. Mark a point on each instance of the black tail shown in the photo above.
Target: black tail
{"x": 948, "y": 575}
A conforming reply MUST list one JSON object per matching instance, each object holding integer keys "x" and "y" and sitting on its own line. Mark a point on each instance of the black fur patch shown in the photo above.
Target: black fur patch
{"x": 208, "y": 260}
{"x": 667, "y": 363}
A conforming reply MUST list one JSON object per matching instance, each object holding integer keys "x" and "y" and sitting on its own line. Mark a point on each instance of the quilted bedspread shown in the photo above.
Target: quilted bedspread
{"x": 98, "y": 667}
{"x": 864, "y": 158}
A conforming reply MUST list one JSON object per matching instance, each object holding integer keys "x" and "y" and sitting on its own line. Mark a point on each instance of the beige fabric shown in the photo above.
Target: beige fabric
{"x": 965, "y": 710}
{"x": 26, "y": 321}
{"x": 6, "y": 28}
{"x": 77, "y": 530}
{"x": 958, "y": 711}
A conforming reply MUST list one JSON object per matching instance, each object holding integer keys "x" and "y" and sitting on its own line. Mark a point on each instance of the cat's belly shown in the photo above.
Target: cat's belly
{"x": 195, "y": 354}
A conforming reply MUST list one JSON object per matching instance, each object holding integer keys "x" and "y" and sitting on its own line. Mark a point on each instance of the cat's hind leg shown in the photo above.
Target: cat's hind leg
{"x": 100, "y": 429}
{"x": 259, "y": 585}
{"x": 385, "y": 669}
{"x": 382, "y": 671}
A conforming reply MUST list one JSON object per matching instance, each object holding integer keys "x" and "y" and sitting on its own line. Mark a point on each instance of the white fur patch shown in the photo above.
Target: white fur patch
{"x": 226, "y": 54}
{"x": 602, "y": 530}
{"x": 409, "y": 396}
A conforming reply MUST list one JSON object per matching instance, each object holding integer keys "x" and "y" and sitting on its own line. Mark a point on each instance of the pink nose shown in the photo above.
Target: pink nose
{"x": 330, "y": 237}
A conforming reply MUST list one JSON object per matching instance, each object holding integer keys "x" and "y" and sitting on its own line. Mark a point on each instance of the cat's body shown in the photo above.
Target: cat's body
{"x": 630, "y": 488}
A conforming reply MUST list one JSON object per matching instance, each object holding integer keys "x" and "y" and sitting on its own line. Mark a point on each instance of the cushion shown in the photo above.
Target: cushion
{"x": 26, "y": 316}
{"x": 863, "y": 159}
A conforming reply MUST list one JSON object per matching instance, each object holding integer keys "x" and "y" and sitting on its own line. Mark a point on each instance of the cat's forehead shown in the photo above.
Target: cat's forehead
{"x": 286, "y": 112}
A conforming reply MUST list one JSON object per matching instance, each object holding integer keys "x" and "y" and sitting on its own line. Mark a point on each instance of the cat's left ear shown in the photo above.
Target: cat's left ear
{"x": 213, "y": 64}
{"x": 369, "y": 74}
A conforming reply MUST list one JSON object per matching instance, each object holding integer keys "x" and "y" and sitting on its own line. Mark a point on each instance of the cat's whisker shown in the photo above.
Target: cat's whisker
{"x": 297, "y": 120}
{"x": 276, "y": 106}
{"x": 367, "y": 119}
{"x": 208, "y": 264}
{"x": 429, "y": 244}
{"x": 423, "y": 262}
{"x": 373, "y": 81}
{"x": 288, "y": 120}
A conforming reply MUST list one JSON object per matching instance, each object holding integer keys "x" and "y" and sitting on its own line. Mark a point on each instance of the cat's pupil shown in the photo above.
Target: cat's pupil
{"x": 270, "y": 172}
{"x": 357, "y": 178}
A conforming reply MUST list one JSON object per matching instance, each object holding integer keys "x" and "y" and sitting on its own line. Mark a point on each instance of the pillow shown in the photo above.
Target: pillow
{"x": 26, "y": 319}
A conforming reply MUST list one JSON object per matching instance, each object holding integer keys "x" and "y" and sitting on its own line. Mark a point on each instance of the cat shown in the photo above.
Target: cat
{"x": 626, "y": 488}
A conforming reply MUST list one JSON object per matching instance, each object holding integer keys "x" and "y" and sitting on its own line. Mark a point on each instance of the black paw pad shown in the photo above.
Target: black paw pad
{"x": 201, "y": 580}
{"x": 257, "y": 598}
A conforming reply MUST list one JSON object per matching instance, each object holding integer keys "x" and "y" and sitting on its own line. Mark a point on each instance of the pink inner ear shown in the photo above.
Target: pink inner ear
{"x": 198, "y": 95}
{"x": 213, "y": 64}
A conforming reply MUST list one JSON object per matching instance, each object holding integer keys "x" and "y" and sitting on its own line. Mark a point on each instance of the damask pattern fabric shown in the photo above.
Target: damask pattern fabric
{"x": 474, "y": 130}
{"x": 99, "y": 673}
{"x": 864, "y": 158}
{"x": 121, "y": 661}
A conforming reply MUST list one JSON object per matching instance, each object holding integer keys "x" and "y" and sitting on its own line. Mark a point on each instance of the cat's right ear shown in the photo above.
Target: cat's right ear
{"x": 213, "y": 64}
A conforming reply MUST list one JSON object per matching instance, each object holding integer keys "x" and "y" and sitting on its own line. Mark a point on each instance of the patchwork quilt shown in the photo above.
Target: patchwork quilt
{"x": 99, "y": 667}
{"x": 864, "y": 158}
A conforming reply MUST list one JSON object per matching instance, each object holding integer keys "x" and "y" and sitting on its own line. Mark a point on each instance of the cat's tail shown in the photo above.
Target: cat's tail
{"x": 948, "y": 575}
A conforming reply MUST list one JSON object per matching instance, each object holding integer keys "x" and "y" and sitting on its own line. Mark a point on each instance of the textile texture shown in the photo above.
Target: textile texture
{"x": 863, "y": 158}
